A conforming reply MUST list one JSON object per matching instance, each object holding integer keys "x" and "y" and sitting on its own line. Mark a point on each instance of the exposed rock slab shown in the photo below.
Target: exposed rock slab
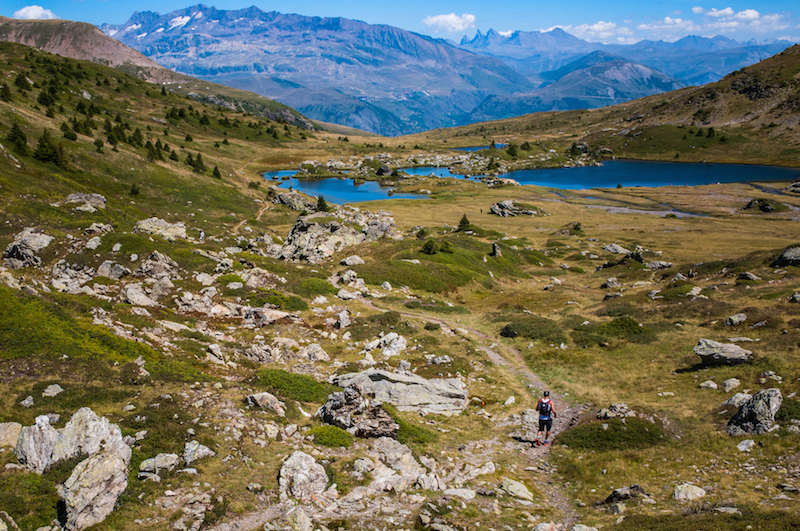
{"x": 716, "y": 353}
{"x": 22, "y": 251}
{"x": 409, "y": 392}
{"x": 92, "y": 490}
{"x": 267, "y": 401}
{"x": 35, "y": 445}
{"x": 87, "y": 433}
{"x": 159, "y": 227}
{"x": 509, "y": 208}
{"x": 302, "y": 477}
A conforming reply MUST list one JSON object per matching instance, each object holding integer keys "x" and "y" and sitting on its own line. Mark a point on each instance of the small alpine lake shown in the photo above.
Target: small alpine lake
{"x": 611, "y": 174}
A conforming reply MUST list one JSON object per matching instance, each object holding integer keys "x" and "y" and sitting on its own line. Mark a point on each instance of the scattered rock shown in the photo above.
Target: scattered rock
{"x": 708, "y": 384}
{"x": 614, "y": 248}
{"x": 313, "y": 352}
{"x": 409, "y": 392}
{"x": 149, "y": 468}
{"x": 267, "y": 401}
{"x": 27, "y": 402}
{"x": 715, "y": 353}
{"x": 392, "y": 344}
{"x": 688, "y": 492}
{"x": 738, "y": 400}
{"x": 112, "y": 270}
{"x": 757, "y": 415}
{"x": 515, "y": 489}
{"x": 658, "y": 265}
{"x": 730, "y": 384}
{"x": 302, "y": 477}
{"x": 789, "y": 257}
{"x": 22, "y": 251}
{"x": 86, "y": 433}
{"x": 746, "y": 445}
{"x": 748, "y": 276}
{"x": 52, "y": 390}
{"x": 736, "y": 320}
{"x": 134, "y": 294}
{"x": 92, "y": 490}
{"x": 159, "y": 227}
{"x": 611, "y": 283}
{"x": 295, "y": 200}
{"x": 358, "y": 413}
{"x": 624, "y": 494}
{"x": 95, "y": 200}
{"x": 352, "y": 260}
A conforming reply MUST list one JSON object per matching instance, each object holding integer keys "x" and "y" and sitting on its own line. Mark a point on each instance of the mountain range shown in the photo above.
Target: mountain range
{"x": 391, "y": 81}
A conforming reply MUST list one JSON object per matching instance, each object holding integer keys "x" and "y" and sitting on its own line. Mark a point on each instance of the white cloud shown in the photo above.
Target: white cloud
{"x": 727, "y": 12}
{"x": 505, "y": 34}
{"x": 670, "y": 27}
{"x": 450, "y": 23}
{"x": 748, "y": 14}
{"x": 698, "y": 10}
{"x": 599, "y": 31}
{"x": 34, "y": 12}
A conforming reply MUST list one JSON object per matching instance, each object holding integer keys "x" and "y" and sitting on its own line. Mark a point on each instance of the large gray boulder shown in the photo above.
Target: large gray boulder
{"x": 22, "y": 251}
{"x": 157, "y": 265}
{"x": 159, "y": 227}
{"x": 35, "y": 444}
{"x": 757, "y": 415}
{"x": 409, "y": 392}
{"x": 96, "y": 200}
{"x": 92, "y": 490}
{"x": 391, "y": 344}
{"x": 295, "y": 200}
{"x": 789, "y": 257}
{"x": 509, "y": 208}
{"x": 86, "y": 433}
{"x": 688, "y": 492}
{"x": 358, "y": 414}
{"x": 716, "y": 353}
{"x": 302, "y": 477}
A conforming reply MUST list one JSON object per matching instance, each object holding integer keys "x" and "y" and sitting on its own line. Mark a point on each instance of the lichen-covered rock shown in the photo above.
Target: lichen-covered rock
{"x": 35, "y": 444}
{"x": 302, "y": 477}
{"x": 358, "y": 414}
{"x": 716, "y": 353}
{"x": 688, "y": 492}
{"x": 391, "y": 344}
{"x": 789, "y": 257}
{"x": 516, "y": 489}
{"x": 149, "y": 468}
{"x": 95, "y": 200}
{"x": 509, "y": 208}
{"x": 134, "y": 294}
{"x": 194, "y": 451}
{"x": 267, "y": 401}
{"x": 22, "y": 251}
{"x": 157, "y": 265}
{"x": 409, "y": 392}
{"x": 86, "y": 433}
{"x": 757, "y": 415}
{"x": 92, "y": 490}
{"x": 159, "y": 227}
{"x": 295, "y": 200}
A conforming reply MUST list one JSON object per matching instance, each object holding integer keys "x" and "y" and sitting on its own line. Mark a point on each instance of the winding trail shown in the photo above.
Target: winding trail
{"x": 513, "y": 361}
{"x": 238, "y": 226}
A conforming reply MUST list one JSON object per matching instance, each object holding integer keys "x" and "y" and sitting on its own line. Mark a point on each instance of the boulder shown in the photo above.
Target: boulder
{"x": 409, "y": 392}
{"x": 748, "y": 276}
{"x": 134, "y": 295}
{"x": 391, "y": 344}
{"x": 266, "y": 401}
{"x": 738, "y": 400}
{"x": 159, "y": 227}
{"x": 730, "y": 384}
{"x": 614, "y": 248}
{"x": 157, "y": 265}
{"x": 302, "y": 477}
{"x": 22, "y": 251}
{"x": 194, "y": 451}
{"x": 515, "y": 489}
{"x": 688, "y": 492}
{"x": 149, "y": 468}
{"x": 112, "y": 270}
{"x": 95, "y": 200}
{"x": 9, "y": 434}
{"x": 658, "y": 265}
{"x": 262, "y": 354}
{"x": 611, "y": 283}
{"x": 86, "y": 433}
{"x": 715, "y": 353}
{"x": 398, "y": 457}
{"x": 358, "y": 413}
{"x": 757, "y": 415}
{"x": 352, "y": 260}
{"x": 52, "y": 390}
{"x": 625, "y": 493}
{"x": 464, "y": 494}
{"x": 92, "y": 490}
{"x": 35, "y": 445}
{"x": 509, "y": 208}
{"x": 313, "y": 352}
{"x": 343, "y": 320}
{"x": 708, "y": 384}
{"x": 295, "y": 200}
{"x": 736, "y": 319}
{"x": 789, "y": 257}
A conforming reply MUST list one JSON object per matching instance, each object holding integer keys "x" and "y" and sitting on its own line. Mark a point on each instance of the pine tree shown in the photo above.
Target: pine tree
{"x": 199, "y": 165}
{"x": 45, "y": 149}
{"x": 322, "y": 205}
{"x": 5, "y": 93}
{"x": 17, "y": 138}
{"x": 216, "y": 173}
{"x": 163, "y": 91}
{"x": 464, "y": 223}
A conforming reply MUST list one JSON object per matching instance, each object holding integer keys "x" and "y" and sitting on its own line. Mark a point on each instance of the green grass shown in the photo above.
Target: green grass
{"x": 292, "y": 386}
{"x": 712, "y": 521}
{"x": 410, "y": 433}
{"x": 633, "y": 434}
{"x": 331, "y": 436}
{"x": 536, "y": 329}
{"x": 290, "y": 303}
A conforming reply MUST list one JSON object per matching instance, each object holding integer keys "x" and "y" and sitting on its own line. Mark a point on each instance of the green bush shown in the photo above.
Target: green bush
{"x": 331, "y": 436}
{"x": 433, "y": 326}
{"x": 390, "y": 318}
{"x": 311, "y": 287}
{"x": 623, "y": 327}
{"x": 430, "y": 247}
{"x": 228, "y": 278}
{"x": 635, "y": 433}
{"x": 790, "y": 409}
{"x": 535, "y": 328}
{"x": 290, "y": 303}
{"x": 292, "y": 386}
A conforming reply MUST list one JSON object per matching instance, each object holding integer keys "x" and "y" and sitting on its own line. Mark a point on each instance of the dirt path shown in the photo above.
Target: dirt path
{"x": 238, "y": 226}
{"x": 513, "y": 361}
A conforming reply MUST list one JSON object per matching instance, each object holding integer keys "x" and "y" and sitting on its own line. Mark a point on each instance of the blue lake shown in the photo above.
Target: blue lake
{"x": 650, "y": 174}
{"x": 439, "y": 172}
{"x": 341, "y": 191}
{"x": 479, "y": 148}
{"x": 612, "y": 173}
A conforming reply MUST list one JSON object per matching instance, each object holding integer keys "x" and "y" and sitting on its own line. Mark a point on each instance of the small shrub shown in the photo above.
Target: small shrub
{"x": 535, "y": 328}
{"x": 311, "y": 287}
{"x": 228, "y": 278}
{"x": 390, "y": 318}
{"x": 70, "y": 135}
{"x": 634, "y": 434}
{"x": 433, "y": 326}
{"x": 446, "y": 247}
{"x": 430, "y": 247}
{"x": 331, "y": 436}
{"x": 292, "y": 386}
{"x": 289, "y": 303}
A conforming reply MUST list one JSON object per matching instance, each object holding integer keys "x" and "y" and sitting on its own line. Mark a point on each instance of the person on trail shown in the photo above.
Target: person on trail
{"x": 202, "y": 235}
{"x": 546, "y": 415}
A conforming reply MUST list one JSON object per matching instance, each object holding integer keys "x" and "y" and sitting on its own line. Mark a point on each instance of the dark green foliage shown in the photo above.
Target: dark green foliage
{"x": 163, "y": 90}
{"x": 512, "y": 150}
{"x": 331, "y": 436}
{"x": 311, "y": 287}
{"x": 535, "y": 328}
{"x": 199, "y": 166}
{"x": 435, "y": 307}
{"x": 635, "y": 433}
{"x": 410, "y": 433}
{"x": 189, "y": 138}
{"x": 446, "y": 247}
{"x": 5, "y": 93}
{"x": 17, "y": 138}
{"x": 290, "y": 303}
{"x": 623, "y": 327}
{"x": 432, "y": 326}
{"x": 790, "y": 409}
{"x": 464, "y": 223}
{"x": 322, "y": 205}
{"x": 99, "y": 145}
{"x": 21, "y": 82}
{"x": 48, "y": 151}
{"x": 390, "y": 318}
{"x": 70, "y": 135}
{"x": 430, "y": 246}
{"x": 292, "y": 386}
{"x": 712, "y": 521}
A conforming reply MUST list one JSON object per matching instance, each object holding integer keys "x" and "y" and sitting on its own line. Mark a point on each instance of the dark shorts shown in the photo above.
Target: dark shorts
{"x": 545, "y": 425}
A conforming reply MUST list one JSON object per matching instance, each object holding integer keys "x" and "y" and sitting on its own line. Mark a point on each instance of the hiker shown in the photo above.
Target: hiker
{"x": 546, "y": 415}
{"x": 202, "y": 235}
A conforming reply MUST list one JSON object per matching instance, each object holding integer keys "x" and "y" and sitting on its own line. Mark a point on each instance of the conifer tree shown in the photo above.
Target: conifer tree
{"x": 17, "y": 138}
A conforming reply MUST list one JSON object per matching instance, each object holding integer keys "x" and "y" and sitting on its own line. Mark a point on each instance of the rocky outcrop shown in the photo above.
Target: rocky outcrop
{"x": 295, "y": 200}
{"x": 35, "y": 445}
{"x": 392, "y": 344}
{"x": 509, "y": 208}
{"x": 789, "y": 257}
{"x": 688, "y": 492}
{"x": 302, "y": 477}
{"x": 149, "y": 468}
{"x": 358, "y": 413}
{"x": 395, "y": 467}
{"x": 159, "y": 227}
{"x": 94, "y": 200}
{"x": 92, "y": 490}
{"x": 266, "y": 401}
{"x": 86, "y": 433}
{"x": 135, "y": 295}
{"x": 409, "y": 392}
{"x": 716, "y": 353}
{"x": 315, "y": 237}
{"x": 615, "y": 248}
{"x": 22, "y": 251}
{"x": 757, "y": 415}
{"x": 157, "y": 266}
{"x": 112, "y": 270}
{"x": 194, "y": 451}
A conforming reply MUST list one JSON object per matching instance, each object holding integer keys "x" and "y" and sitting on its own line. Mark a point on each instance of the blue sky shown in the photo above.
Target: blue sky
{"x": 621, "y": 21}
